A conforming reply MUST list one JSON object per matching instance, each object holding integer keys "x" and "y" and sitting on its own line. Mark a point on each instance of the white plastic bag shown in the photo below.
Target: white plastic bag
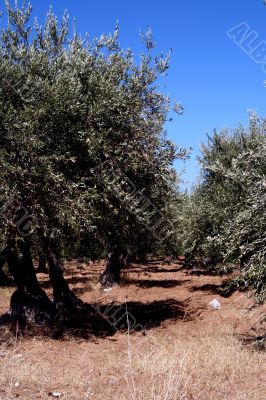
{"x": 215, "y": 304}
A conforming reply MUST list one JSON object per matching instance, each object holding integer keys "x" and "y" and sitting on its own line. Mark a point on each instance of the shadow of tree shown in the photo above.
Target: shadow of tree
{"x": 145, "y": 283}
{"x": 7, "y": 282}
{"x": 73, "y": 280}
{"x": 79, "y": 291}
{"x": 223, "y": 289}
{"x": 255, "y": 342}
{"x": 102, "y": 320}
{"x": 153, "y": 269}
{"x": 199, "y": 269}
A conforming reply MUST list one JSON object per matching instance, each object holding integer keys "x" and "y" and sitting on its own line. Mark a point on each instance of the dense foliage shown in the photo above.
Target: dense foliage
{"x": 85, "y": 164}
{"x": 225, "y": 216}
{"x": 69, "y": 106}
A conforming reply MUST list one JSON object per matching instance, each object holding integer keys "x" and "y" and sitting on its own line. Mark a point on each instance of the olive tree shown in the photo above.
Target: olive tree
{"x": 83, "y": 152}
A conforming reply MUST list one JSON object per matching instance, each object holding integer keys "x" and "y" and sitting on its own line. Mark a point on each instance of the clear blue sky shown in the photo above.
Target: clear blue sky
{"x": 214, "y": 79}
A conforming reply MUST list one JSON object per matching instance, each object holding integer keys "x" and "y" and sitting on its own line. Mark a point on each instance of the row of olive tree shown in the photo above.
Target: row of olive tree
{"x": 84, "y": 160}
{"x": 225, "y": 219}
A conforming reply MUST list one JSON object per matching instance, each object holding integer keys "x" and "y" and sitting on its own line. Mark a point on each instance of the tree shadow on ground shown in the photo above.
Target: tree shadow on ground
{"x": 254, "y": 342}
{"x": 79, "y": 291}
{"x": 6, "y": 280}
{"x": 93, "y": 321}
{"x": 224, "y": 289}
{"x": 145, "y": 283}
{"x": 73, "y": 280}
{"x": 205, "y": 272}
{"x": 103, "y": 320}
{"x": 153, "y": 269}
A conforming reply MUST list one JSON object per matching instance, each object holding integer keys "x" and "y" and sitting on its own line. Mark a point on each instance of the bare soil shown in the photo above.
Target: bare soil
{"x": 154, "y": 337}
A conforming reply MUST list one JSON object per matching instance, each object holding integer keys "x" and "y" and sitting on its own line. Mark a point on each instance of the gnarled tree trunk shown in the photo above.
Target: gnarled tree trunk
{"x": 42, "y": 264}
{"x": 29, "y": 303}
{"x": 4, "y": 279}
{"x": 115, "y": 262}
{"x": 64, "y": 299}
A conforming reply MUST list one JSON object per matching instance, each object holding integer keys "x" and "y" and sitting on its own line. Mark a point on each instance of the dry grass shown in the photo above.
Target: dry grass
{"x": 153, "y": 367}
{"x": 200, "y": 358}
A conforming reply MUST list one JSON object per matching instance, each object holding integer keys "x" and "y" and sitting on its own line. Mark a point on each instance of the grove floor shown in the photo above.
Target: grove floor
{"x": 177, "y": 346}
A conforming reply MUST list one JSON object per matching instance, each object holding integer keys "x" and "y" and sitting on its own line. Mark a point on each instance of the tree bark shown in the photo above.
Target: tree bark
{"x": 42, "y": 264}
{"x": 29, "y": 303}
{"x": 4, "y": 279}
{"x": 64, "y": 299}
{"x": 115, "y": 262}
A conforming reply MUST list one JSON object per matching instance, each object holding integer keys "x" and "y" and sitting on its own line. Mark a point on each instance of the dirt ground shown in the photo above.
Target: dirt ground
{"x": 153, "y": 338}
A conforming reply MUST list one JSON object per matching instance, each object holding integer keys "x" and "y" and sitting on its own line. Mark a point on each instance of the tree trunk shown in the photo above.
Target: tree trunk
{"x": 64, "y": 299}
{"x": 4, "y": 279}
{"x": 42, "y": 264}
{"x": 29, "y": 303}
{"x": 111, "y": 275}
